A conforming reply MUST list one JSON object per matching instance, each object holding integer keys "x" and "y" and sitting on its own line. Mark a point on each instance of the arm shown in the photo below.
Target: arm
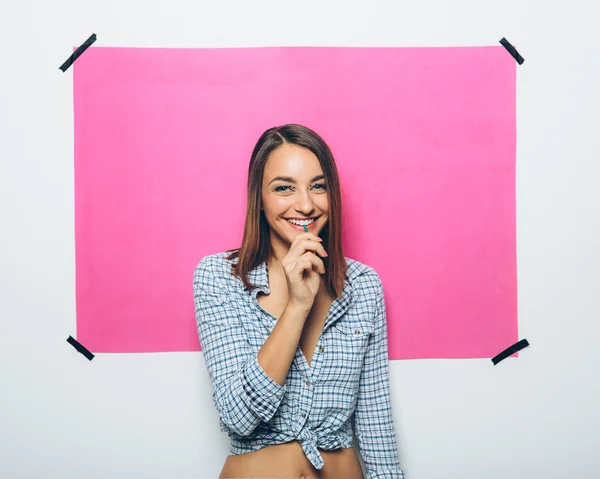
{"x": 243, "y": 393}
{"x": 374, "y": 425}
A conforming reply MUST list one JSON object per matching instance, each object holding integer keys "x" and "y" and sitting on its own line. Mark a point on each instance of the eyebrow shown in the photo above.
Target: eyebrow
{"x": 289, "y": 179}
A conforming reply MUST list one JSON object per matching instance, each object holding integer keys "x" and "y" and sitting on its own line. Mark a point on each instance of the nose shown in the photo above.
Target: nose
{"x": 304, "y": 203}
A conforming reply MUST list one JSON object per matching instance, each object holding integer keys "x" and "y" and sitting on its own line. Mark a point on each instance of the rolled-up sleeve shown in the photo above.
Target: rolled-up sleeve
{"x": 374, "y": 427}
{"x": 243, "y": 393}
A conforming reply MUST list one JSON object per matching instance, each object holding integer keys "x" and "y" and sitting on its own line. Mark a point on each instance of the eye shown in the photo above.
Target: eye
{"x": 282, "y": 188}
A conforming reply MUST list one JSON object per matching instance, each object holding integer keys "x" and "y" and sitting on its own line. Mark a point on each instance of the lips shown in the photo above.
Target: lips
{"x": 301, "y": 228}
{"x": 303, "y": 219}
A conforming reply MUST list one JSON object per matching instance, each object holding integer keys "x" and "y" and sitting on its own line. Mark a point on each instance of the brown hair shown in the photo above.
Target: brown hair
{"x": 256, "y": 244}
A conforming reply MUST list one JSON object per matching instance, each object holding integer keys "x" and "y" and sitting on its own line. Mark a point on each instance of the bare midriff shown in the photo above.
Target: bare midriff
{"x": 289, "y": 461}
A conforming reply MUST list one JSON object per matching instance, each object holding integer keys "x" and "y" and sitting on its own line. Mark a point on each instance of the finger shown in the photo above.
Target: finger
{"x": 308, "y": 261}
{"x": 309, "y": 235}
{"x": 299, "y": 267}
{"x": 309, "y": 245}
{"x": 316, "y": 262}
{"x": 297, "y": 250}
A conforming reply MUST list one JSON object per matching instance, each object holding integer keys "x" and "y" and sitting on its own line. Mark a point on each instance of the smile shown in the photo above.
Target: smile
{"x": 299, "y": 225}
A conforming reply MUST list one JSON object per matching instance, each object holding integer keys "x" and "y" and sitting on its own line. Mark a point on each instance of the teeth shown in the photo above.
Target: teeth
{"x": 301, "y": 223}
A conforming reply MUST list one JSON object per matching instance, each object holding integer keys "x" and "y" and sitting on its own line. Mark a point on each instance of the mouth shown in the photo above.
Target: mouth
{"x": 310, "y": 224}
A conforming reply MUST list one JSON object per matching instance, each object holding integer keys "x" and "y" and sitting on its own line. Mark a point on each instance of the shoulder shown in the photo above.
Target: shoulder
{"x": 367, "y": 294}
{"x": 213, "y": 272}
{"x": 363, "y": 277}
{"x": 366, "y": 285}
{"x": 214, "y": 262}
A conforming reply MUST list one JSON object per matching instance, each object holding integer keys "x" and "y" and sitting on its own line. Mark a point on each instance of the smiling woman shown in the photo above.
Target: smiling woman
{"x": 296, "y": 200}
{"x": 292, "y": 175}
{"x": 295, "y": 338}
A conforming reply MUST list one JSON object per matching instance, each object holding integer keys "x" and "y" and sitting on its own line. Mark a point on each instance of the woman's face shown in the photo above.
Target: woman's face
{"x": 300, "y": 194}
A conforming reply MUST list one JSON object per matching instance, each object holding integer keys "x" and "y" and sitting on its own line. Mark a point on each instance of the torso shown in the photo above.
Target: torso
{"x": 288, "y": 460}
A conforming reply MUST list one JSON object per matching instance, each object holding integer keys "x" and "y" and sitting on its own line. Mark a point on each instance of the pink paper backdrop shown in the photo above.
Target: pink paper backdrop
{"x": 424, "y": 140}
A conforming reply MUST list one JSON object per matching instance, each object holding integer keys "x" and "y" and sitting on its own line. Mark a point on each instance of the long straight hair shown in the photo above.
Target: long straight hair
{"x": 256, "y": 245}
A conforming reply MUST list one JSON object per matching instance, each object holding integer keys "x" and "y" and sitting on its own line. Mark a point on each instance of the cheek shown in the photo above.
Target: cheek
{"x": 323, "y": 205}
{"x": 280, "y": 205}
{"x": 274, "y": 204}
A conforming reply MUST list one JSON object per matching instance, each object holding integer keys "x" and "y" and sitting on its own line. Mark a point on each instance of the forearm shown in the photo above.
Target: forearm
{"x": 243, "y": 393}
{"x": 254, "y": 386}
{"x": 278, "y": 351}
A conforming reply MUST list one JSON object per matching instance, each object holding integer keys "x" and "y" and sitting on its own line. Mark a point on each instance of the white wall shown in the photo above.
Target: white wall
{"x": 150, "y": 415}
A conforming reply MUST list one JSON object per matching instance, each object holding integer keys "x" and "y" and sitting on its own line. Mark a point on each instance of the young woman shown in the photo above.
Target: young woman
{"x": 294, "y": 334}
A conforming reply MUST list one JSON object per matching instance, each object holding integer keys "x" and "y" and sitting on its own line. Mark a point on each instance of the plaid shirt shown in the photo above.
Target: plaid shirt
{"x": 348, "y": 377}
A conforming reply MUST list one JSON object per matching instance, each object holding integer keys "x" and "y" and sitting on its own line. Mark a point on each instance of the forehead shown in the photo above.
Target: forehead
{"x": 292, "y": 160}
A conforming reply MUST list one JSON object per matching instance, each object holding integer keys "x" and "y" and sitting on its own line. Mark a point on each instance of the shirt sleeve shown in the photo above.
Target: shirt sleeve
{"x": 243, "y": 393}
{"x": 374, "y": 427}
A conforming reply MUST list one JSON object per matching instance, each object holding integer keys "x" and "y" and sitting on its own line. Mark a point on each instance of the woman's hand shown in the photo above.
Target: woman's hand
{"x": 302, "y": 268}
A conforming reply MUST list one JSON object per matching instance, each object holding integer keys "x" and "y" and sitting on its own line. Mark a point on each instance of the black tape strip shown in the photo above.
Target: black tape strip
{"x": 80, "y": 348}
{"x": 511, "y": 350}
{"x": 512, "y": 50}
{"x": 77, "y": 53}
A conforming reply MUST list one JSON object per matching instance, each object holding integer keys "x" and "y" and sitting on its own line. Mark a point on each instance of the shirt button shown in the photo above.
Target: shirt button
{"x": 308, "y": 383}
{"x": 321, "y": 350}
{"x": 303, "y": 414}
{"x": 357, "y": 331}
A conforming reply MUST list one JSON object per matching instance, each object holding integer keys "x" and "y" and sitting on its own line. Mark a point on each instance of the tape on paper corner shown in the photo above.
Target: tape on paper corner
{"x": 77, "y": 53}
{"x": 80, "y": 347}
{"x": 512, "y": 50}
{"x": 510, "y": 350}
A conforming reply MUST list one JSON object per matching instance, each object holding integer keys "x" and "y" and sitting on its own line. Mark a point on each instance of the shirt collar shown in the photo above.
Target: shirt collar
{"x": 259, "y": 277}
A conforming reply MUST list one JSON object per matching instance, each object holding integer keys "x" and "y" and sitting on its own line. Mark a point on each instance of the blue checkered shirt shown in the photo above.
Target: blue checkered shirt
{"x": 348, "y": 377}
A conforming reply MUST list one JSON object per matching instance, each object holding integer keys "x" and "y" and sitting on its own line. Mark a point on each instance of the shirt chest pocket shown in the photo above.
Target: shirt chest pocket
{"x": 346, "y": 346}
{"x": 355, "y": 328}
